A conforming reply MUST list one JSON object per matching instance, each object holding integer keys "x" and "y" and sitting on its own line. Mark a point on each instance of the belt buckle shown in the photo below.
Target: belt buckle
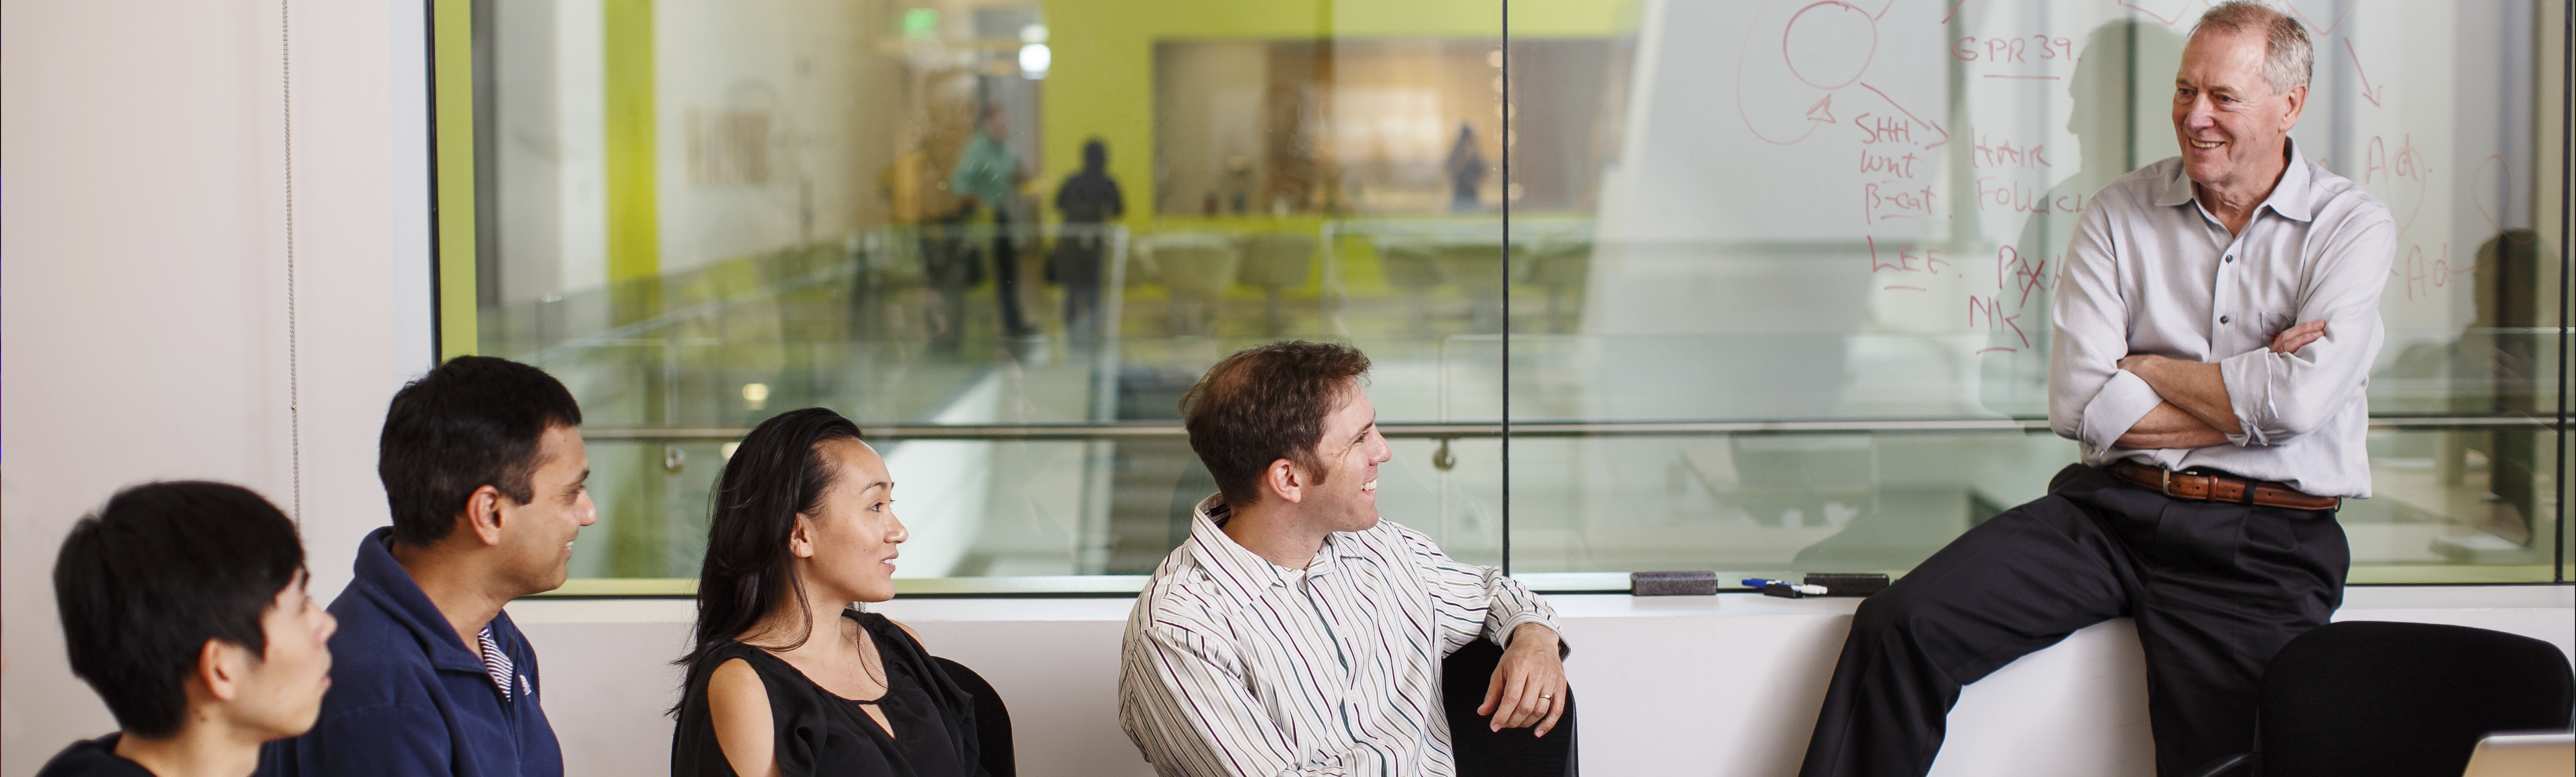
{"x": 2167, "y": 486}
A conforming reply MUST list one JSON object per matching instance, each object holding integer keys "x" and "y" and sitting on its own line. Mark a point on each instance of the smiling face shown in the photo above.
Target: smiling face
{"x": 539, "y": 534}
{"x": 847, "y": 548}
{"x": 2231, "y": 123}
{"x": 280, "y": 693}
{"x": 1349, "y": 453}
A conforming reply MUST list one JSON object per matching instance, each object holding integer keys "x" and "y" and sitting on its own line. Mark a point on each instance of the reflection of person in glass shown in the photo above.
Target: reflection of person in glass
{"x": 1089, "y": 201}
{"x": 2015, "y": 359}
{"x": 989, "y": 175}
{"x": 2216, "y": 322}
{"x": 783, "y": 676}
{"x": 1466, "y": 168}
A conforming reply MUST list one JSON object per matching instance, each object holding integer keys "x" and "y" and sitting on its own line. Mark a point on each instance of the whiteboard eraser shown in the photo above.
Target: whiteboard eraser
{"x": 1685, "y": 583}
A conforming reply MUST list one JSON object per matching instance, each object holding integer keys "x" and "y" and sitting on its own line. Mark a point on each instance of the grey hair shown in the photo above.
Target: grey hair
{"x": 2288, "y": 59}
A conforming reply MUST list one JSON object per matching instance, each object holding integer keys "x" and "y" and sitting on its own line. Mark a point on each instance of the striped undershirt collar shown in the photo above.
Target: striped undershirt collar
{"x": 496, "y": 663}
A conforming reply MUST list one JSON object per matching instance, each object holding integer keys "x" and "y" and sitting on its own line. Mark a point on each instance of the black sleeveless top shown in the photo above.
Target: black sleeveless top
{"x": 823, "y": 734}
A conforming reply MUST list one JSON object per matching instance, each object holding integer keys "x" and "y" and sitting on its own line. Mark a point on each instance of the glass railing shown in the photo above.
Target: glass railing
{"x": 1056, "y": 463}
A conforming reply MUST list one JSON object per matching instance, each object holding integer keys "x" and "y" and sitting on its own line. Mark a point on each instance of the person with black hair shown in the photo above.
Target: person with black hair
{"x": 784, "y": 677}
{"x": 1090, "y": 201}
{"x": 483, "y": 465}
{"x": 183, "y": 605}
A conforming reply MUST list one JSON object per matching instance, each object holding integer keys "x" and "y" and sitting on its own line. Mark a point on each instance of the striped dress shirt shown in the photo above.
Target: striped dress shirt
{"x": 1237, "y": 666}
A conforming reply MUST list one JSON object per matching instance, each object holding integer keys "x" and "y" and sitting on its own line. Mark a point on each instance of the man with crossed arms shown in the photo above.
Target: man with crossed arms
{"x": 2216, "y": 323}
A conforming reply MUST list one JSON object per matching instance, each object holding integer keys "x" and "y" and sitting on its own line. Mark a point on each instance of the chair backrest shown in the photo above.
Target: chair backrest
{"x": 1408, "y": 263}
{"x": 1191, "y": 264}
{"x": 2362, "y": 698}
{"x": 992, "y": 720}
{"x": 1511, "y": 752}
{"x": 1474, "y": 267}
{"x": 1277, "y": 260}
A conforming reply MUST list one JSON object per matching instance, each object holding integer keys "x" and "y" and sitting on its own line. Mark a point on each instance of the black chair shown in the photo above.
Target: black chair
{"x": 992, "y": 720}
{"x": 1511, "y": 752}
{"x": 2371, "y": 698}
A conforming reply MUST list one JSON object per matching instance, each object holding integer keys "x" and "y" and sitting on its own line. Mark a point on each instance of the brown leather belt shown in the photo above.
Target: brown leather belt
{"x": 2219, "y": 488}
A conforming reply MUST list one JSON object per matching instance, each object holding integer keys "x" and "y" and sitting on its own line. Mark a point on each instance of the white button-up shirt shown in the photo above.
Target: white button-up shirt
{"x": 2152, "y": 272}
{"x": 1237, "y": 666}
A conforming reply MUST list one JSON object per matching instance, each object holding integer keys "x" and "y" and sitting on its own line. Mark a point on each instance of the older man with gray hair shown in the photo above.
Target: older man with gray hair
{"x": 2216, "y": 323}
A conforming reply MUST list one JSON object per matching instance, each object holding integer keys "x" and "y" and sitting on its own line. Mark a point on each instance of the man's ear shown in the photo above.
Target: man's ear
{"x": 220, "y": 666}
{"x": 483, "y": 515}
{"x": 1285, "y": 480}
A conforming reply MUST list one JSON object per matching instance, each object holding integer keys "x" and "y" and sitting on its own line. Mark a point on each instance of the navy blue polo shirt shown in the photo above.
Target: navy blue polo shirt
{"x": 408, "y": 699}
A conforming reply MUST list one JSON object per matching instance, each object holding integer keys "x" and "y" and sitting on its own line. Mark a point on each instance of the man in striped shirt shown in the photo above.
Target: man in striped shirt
{"x": 1295, "y": 633}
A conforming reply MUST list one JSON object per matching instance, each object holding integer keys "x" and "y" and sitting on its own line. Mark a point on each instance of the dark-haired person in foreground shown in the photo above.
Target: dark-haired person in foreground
{"x": 183, "y": 605}
{"x": 2216, "y": 324}
{"x": 1295, "y": 633}
{"x": 483, "y": 465}
{"x": 785, "y": 678}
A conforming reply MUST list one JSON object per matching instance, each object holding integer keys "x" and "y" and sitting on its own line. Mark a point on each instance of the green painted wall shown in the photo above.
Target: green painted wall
{"x": 634, "y": 202}
{"x": 452, "y": 57}
{"x": 1101, "y": 83}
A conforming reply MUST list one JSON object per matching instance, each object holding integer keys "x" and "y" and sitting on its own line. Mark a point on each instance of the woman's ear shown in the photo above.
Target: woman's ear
{"x": 800, "y": 540}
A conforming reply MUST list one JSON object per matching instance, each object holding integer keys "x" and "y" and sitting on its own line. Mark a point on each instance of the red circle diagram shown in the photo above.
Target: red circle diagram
{"x": 1829, "y": 50}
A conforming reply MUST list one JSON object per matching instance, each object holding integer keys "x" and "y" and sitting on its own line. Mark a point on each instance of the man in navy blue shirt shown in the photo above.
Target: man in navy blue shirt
{"x": 483, "y": 465}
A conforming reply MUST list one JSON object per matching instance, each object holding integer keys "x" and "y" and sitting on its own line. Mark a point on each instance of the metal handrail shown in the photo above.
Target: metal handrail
{"x": 1535, "y": 429}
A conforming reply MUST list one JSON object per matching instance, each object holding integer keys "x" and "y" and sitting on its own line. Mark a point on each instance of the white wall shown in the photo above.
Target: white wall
{"x": 143, "y": 303}
{"x": 1725, "y": 685}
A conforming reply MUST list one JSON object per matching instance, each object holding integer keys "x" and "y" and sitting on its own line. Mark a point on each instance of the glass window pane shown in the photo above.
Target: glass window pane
{"x": 1776, "y": 295}
{"x": 1799, "y": 315}
{"x": 1003, "y": 237}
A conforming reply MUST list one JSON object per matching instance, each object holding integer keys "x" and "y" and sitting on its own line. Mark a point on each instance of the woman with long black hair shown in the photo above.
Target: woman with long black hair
{"x": 785, "y": 678}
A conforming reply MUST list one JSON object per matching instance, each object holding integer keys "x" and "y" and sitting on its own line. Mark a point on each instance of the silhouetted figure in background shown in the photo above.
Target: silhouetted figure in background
{"x": 988, "y": 174}
{"x": 1089, "y": 201}
{"x": 1466, "y": 169}
{"x": 2015, "y": 382}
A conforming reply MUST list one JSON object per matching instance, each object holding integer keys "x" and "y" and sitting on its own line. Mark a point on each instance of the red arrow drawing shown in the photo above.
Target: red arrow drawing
{"x": 1822, "y": 111}
{"x": 1945, "y": 134}
{"x": 2368, "y": 92}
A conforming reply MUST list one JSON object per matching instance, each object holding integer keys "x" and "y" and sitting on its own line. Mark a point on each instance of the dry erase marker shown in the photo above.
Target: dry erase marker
{"x": 1792, "y": 590}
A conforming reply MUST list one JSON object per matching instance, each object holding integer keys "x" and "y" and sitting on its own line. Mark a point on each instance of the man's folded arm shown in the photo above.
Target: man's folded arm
{"x": 1188, "y": 707}
{"x": 2280, "y": 396}
{"x": 1478, "y": 601}
{"x": 2168, "y": 426}
{"x": 2090, "y": 399}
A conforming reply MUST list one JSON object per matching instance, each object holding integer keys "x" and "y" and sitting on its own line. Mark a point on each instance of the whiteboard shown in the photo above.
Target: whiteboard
{"x": 1899, "y": 177}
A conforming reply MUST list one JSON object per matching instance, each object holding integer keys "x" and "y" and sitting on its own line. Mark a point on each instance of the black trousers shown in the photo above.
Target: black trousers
{"x": 1006, "y": 276}
{"x": 2216, "y": 589}
{"x": 1511, "y": 752}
